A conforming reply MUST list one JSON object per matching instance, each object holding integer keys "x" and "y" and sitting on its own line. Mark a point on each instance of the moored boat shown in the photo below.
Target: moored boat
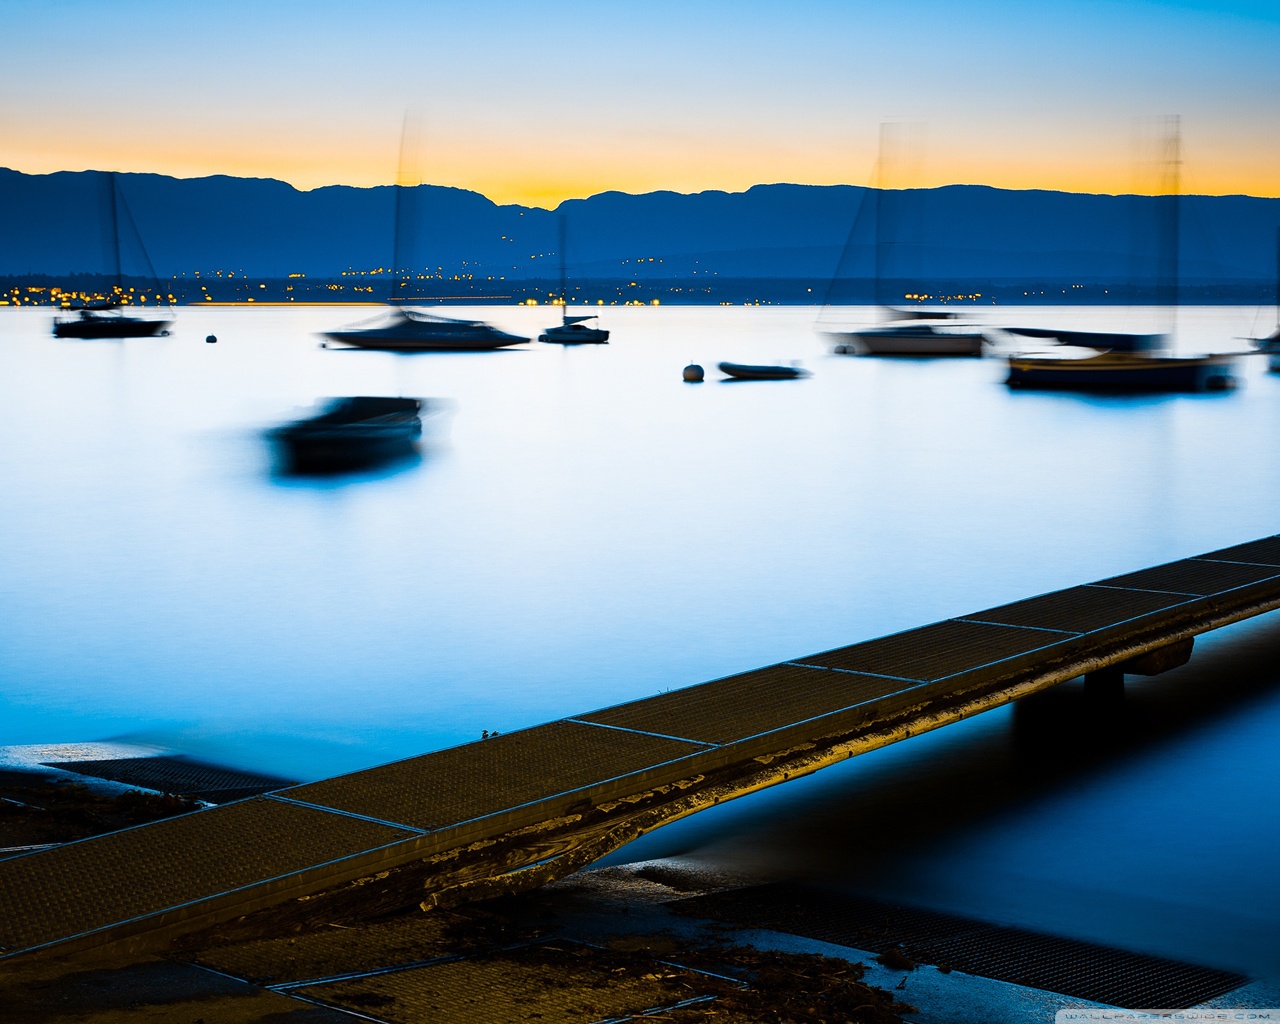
{"x": 402, "y": 329}
{"x": 743, "y": 371}
{"x": 104, "y": 319}
{"x": 351, "y": 433}
{"x": 573, "y": 330}
{"x": 1271, "y": 343}
{"x": 912, "y": 337}
{"x": 1121, "y": 372}
{"x": 107, "y": 322}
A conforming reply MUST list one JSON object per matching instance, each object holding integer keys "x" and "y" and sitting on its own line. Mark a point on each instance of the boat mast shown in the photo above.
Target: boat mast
{"x": 402, "y": 242}
{"x": 1172, "y": 201}
{"x": 113, "y": 234}
{"x": 877, "y": 210}
{"x": 564, "y": 294}
{"x": 1278, "y": 280}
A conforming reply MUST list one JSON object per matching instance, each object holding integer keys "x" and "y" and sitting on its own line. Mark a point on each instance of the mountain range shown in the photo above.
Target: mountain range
{"x": 54, "y": 224}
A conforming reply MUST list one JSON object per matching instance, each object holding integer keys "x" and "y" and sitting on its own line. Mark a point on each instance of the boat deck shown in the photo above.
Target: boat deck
{"x": 545, "y": 800}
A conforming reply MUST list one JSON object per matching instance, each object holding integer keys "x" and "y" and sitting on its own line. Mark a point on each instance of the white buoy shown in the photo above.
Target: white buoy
{"x": 211, "y": 339}
{"x": 693, "y": 373}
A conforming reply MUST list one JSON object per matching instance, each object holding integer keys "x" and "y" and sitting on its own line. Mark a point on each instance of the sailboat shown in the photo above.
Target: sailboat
{"x": 1271, "y": 343}
{"x": 402, "y": 328}
{"x": 103, "y": 319}
{"x": 901, "y": 332}
{"x": 1096, "y": 361}
{"x": 572, "y": 330}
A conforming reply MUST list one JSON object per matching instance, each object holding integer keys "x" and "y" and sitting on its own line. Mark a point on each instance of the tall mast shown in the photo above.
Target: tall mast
{"x": 1170, "y": 224}
{"x": 113, "y": 230}
{"x": 402, "y": 244}
{"x": 881, "y": 234}
{"x": 1278, "y": 279}
{"x": 564, "y": 299}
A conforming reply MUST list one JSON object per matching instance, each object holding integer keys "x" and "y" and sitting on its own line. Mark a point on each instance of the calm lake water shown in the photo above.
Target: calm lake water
{"x": 584, "y": 528}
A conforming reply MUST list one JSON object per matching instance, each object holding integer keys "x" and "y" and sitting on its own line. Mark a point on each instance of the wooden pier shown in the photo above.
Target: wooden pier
{"x": 520, "y": 809}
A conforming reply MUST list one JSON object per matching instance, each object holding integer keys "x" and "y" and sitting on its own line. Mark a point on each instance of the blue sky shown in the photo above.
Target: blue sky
{"x": 535, "y": 102}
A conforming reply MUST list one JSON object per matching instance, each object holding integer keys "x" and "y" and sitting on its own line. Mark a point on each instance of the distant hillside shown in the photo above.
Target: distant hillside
{"x": 51, "y": 225}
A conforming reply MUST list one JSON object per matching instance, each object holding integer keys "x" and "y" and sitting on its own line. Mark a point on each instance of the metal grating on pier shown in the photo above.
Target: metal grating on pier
{"x": 1080, "y": 609}
{"x": 498, "y": 774}
{"x": 178, "y": 775}
{"x": 1071, "y": 967}
{"x": 95, "y": 883}
{"x": 1198, "y": 577}
{"x": 1259, "y": 552}
{"x": 745, "y": 705}
{"x": 936, "y": 652}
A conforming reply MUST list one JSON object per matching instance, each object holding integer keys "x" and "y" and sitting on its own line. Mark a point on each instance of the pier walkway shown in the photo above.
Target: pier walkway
{"x": 522, "y": 808}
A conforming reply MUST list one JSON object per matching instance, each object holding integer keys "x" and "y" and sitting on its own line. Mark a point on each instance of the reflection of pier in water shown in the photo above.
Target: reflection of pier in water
{"x": 520, "y": 809}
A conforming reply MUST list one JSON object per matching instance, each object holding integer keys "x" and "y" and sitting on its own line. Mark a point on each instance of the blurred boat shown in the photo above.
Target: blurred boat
{"x": 402, "y": 329}
{"x": 1271, "y": 346}
{"x": 351, "y": 433}
{"x": 572, "y": 330}
{"x": 1112, "y": 341}
{"x": 1123, "y": 362}
{"x": 104, "y": 319}
{"x": 911, "y": 336}
{"x": 741, "y": 371}
{"x": 907, "y": 332}
{"x": 1271, "y": 343}
{"x": 1121, "y": 372}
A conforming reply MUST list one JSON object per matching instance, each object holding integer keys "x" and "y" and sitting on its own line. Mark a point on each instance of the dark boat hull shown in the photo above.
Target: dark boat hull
{"x": 1122, "y": 373}
{"x": 740, "y": 371}
{"x": 111, "y": 327}
{"x": 354, "y": 433}
{"x": 573, "y": 336}
{"x": 908, "y": 342}
{"x": 394, "y": 344}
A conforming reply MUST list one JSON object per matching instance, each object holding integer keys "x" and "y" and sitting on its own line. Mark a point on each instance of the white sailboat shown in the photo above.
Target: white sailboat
{"x": 104, "y": 319}
{"x": 1271, "y": 343}
{"x": 402, "y": 328}
{"x": 572, "y": 330}
{"x": 901, "y": 332}
{"x": 1094, "y": 361}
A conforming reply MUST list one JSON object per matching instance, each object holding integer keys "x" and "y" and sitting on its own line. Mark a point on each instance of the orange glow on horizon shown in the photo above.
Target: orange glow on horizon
{"x": 545, "y": 176}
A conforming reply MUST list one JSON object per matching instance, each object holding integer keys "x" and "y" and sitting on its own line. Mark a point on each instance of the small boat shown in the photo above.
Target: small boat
{"x": 911, "y": 337}
{"x": 1271, "y": 343}
{"x": 1111, "y": 341}
{"x": 902, "y": 332}
{"x": 104, "y": 319}
{"x": 1271, "y": 346}
{"x": 1121, "y": 362}
{"x": 351, "y": 433}
{"x": 573, "y": 330}
{"x": 1121, "y": 372}
{"x": 740, "y": 371}
{"x": 402, "y": 329}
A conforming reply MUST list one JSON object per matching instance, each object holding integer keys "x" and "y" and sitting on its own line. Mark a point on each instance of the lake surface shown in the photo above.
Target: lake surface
{"x": 584, "y": 528}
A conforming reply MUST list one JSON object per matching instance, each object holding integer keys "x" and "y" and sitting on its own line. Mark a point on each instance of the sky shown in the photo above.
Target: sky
{"x": 533, "y": 102}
